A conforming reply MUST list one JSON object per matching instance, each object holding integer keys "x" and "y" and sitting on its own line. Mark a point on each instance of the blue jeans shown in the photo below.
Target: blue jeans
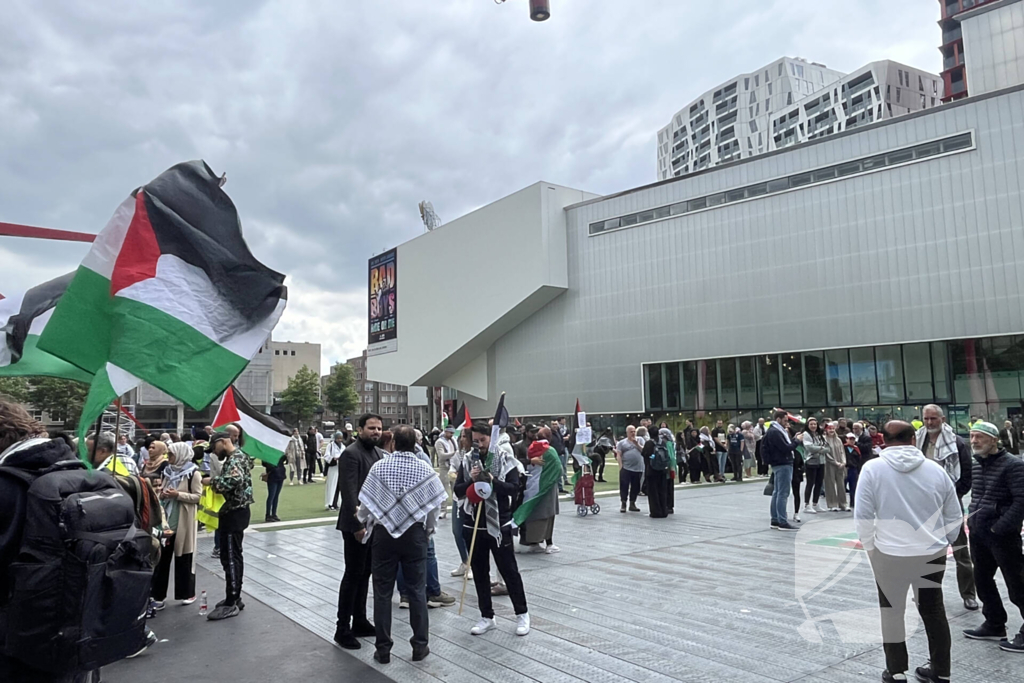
{"x": 564, "y": 459}
{"x": 780, "y": 496}
{"x": 433, "y": 583}
{"x": 723, "y": 456}
{"x": 460, "y": 541}
{"x": 273, "y": 495}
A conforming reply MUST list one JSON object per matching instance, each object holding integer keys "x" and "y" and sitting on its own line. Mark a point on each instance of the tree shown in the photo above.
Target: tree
{"x": 302, "y": 396}
{"x": 61, "y": 398}
{"x": 340, "y": 392}
{"x": 14, "y": 388}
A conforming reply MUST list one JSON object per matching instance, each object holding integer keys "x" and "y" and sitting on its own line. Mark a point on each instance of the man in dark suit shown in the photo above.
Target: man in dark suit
{"x": 353, "y": 466}
{"x": 1011, "y": 440}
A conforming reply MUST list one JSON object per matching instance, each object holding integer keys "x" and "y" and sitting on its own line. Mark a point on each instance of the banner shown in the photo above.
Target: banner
{"x": 383, "y": 322}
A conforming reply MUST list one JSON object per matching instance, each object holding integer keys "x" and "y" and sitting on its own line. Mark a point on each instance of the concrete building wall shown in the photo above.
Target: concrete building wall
{"x": 927, "y": 250}
{"x": 289, "y": 357}
{"x": 993, "y": 38}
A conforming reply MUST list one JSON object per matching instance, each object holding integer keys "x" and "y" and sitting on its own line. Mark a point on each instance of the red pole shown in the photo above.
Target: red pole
{"x": 15, "y": 230}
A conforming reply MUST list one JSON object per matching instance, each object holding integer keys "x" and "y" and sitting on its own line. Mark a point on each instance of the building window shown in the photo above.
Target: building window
{"x": 917, "y": 369}
{"x": 889, "y": 368}
{"x": 768, "y": 381}
{"x": 672, "y": 386}
{"x": 792, "y": 392}
{"x": 815, "y": 385}
{"x": 862, "y": 372}
{"x": 293, "y": 353}
{"x": 689, "y": 388}
{"x": 654, "y": 397}
{"x": 277, "y": 352}
{"x": 727, "y": 383}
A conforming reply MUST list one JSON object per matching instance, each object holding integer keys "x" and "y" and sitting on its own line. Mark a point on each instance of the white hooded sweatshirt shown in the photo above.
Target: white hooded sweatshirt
{"x": 906, "y": 504}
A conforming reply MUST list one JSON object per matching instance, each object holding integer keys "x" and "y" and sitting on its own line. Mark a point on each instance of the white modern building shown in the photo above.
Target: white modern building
{"x": 785, "y": 103}
{"x": 862, "y": 273}
{"x": 993, "y": 40}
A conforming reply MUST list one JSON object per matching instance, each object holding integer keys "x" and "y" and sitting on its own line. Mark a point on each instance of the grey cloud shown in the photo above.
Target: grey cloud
{"x": 333, "y": 119}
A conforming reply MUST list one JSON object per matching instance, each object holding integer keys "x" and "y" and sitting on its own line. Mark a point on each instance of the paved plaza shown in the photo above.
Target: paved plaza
{"x": 709, "y": 594}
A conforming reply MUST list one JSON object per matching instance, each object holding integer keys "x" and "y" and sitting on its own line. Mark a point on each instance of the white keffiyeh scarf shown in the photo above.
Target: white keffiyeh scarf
{"x": 946, "y": 453}
{"x": 399, "y": 491}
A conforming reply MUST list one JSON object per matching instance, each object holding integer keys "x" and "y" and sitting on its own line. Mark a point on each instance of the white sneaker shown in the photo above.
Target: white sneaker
{"x": 485, "y": 625}
{"x": 189, "y": 601}
{"x": 552, "y": 549}
{"x": 797, "y": 518}
{"x": 810, "y": 508}
{"x": 523, "y": 624}
{"x": 817, "y": 508}
{"x": 460, "y": 570}
{"x": 536, "y": 549}
{"x": 469, "y": 574}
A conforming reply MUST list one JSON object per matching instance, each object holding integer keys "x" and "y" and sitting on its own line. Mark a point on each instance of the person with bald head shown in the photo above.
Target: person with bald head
{"x": 907, "y": 514}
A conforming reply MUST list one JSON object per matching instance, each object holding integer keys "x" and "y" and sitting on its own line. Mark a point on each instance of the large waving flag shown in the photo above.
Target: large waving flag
{"x": 266, "y": 437}
{"x": 540, "y": 483}
{"x": 466, "y": 423}
{"x": 22, "y": 318}
{"x": 169, "y": 294}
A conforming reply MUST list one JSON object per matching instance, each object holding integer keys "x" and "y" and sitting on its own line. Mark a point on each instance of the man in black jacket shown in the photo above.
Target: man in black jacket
{"x": 937, "y": 440}
{"x": 996, "y": 512}
{"x": 23, "y": 445}
{"x": 777, "y": 450}
{"x": 353, "y": 466}
{"x": 1009, "y": 438}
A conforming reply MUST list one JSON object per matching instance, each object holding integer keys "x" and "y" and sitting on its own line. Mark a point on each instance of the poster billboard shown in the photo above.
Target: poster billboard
{"x": 383, "y": 309}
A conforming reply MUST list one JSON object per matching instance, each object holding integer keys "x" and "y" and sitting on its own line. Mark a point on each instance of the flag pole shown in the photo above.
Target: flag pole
{"x": 117, "y": 424}
{"x": 472, "y": 546}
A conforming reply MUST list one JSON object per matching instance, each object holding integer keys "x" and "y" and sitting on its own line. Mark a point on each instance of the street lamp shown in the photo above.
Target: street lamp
{"x": 320, "y": 416}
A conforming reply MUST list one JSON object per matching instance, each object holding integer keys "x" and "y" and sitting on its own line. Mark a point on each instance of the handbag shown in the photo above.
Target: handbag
{"x": 769, "y": 488}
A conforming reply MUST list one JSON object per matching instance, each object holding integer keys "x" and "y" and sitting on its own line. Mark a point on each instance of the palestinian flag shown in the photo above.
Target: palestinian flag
{"x": 466, "y": 423}
{"x": 22, "y": 318}
{"x": 266, "y": 437}
{"x": 540, "y": 483}
{"x": 444, "y": 421}
{"x": 169, "y": 294}
{"x": 500, "y": 422}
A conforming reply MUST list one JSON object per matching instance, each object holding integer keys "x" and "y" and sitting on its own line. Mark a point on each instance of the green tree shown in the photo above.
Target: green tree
{"x": 15, "y": 388}
{"x": 340, "y": 392}
{"x": 302, "y": 397}
{"x": 61, "y": 398}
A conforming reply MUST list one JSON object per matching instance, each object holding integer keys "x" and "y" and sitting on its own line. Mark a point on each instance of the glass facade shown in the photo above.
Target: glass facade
{"x": 983, "y": 377}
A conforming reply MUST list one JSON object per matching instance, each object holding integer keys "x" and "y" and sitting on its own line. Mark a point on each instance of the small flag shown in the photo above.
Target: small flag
{"x": 22, "y": 319}
{"x": 499, "y": 423}
{"x": 467, "y": 423}
{"x": 444, "y": 421}
{"x": 266, "y": 437}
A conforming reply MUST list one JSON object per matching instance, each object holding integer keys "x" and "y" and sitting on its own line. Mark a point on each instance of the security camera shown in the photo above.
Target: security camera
{"x": 540, "y": 10}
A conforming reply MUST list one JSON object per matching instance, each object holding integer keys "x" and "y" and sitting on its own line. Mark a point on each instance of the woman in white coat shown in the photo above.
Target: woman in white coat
{"x": 334, "y": 451}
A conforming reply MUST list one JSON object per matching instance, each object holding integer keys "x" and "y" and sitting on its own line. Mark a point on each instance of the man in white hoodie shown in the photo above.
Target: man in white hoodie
{"x": 907, "y": 514}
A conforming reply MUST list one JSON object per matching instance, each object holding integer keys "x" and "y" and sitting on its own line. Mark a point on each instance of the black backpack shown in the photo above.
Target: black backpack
{"x": 80, "y": 583}
{"x": 659, "y": 459}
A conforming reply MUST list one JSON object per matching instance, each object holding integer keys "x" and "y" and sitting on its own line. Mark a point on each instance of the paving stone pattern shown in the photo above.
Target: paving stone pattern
{"x": 709, "y": 594}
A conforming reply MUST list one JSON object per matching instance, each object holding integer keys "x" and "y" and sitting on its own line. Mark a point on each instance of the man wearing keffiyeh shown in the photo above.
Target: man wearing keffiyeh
{"x": 403, "y": 495}
{"x": 494, "y": 535}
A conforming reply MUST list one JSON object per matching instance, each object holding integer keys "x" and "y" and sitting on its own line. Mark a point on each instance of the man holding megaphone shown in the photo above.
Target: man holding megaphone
{"x": 485, "y": 486}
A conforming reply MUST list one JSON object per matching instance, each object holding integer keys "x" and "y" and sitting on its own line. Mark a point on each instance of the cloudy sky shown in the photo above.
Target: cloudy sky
{"x": 333, "y": 119}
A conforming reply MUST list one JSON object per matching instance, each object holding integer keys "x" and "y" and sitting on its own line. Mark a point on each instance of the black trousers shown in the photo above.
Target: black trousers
{"x": 670, "y": 494}
{"x": 311, "y": 462}
{"x": 629, "y": 485}
{"x": 695, "y": 462}
{"x": 894, "y": 576}
{"x": 355, "y": 583}
{"x": 184, "y": 575}
{"x": 815, "y": 475}
{"x": 597, "y": 465}
{"x": 410, "y": 552}
{"x": 657, "y": 492}
{"x": 711, "y": 464}
{"x": 736, "y": 463}
{"x": 1003, "y": 553}
{"x": 232, "y": 525}
{"x": 504, "y": 559}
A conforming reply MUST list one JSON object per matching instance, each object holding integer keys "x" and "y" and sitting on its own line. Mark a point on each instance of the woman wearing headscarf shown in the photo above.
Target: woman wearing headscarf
{"x": 179, "y": 497}
{"x": 711, "y": 471}
{"x": 295, "y": 452}
{"x": 835, "y": 470}
{"x": 539, "y": 526}
{"x": 657, "y": 479}
{"x": 749, "y": 447}
{"x": 154, "y": 468}
{"x": 673, "y": 464}
{"x": 334, "y": 451}
{"x": 694, "y": 454}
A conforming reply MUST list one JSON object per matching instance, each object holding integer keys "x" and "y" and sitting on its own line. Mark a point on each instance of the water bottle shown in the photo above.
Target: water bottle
{"x": 202, "y": 604}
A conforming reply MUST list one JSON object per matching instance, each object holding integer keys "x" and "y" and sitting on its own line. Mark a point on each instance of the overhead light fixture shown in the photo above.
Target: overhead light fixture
{"x": 540, "y": 10}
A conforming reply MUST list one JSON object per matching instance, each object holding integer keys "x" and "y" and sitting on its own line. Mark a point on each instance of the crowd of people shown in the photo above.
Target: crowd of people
{"x": 905, "y": 484}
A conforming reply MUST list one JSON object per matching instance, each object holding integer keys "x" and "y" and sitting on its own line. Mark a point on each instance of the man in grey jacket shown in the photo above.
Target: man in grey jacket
{"x": 937, "y": 440}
